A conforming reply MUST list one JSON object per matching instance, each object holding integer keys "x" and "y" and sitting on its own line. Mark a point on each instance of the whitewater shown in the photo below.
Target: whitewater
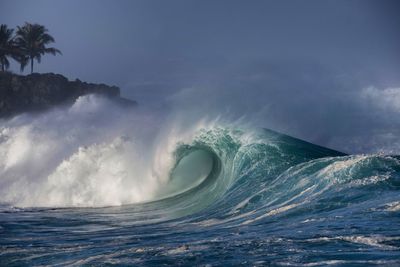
{"x": 97, "y": 184}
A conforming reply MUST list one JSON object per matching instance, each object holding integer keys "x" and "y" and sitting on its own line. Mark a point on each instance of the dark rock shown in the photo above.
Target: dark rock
{"x": 36, "y": 92}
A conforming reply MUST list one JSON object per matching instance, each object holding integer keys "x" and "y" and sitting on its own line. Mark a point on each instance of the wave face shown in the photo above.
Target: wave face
{"x": 214, "y": 193}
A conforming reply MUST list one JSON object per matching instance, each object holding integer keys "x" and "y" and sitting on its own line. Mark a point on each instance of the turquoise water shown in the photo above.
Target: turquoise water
{"x": 232, "y": 198}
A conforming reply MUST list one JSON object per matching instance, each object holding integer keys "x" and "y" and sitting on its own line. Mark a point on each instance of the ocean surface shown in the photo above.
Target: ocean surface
{"x": 231, "y": 197}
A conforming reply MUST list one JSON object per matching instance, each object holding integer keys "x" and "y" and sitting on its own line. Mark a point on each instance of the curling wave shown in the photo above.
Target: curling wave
{"x": 249, "y": 172}
{"x": 188, "y": 193}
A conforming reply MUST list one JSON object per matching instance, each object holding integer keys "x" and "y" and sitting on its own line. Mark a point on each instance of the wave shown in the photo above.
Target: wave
{"x": 126, "y": 187}
{"x": 84, "y": 157}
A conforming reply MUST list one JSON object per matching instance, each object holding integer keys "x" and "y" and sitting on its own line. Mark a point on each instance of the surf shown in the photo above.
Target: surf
{"x": 169, "y": 189}
{"x": 253, "y": 172}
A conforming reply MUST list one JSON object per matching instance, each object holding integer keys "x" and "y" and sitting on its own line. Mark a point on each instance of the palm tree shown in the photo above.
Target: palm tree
{"x": 6, "y": 46}
{"x": 31, "y": 40}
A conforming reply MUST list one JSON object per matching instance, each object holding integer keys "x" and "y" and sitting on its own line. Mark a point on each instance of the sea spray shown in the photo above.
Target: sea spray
{"x": 94, "y": 184}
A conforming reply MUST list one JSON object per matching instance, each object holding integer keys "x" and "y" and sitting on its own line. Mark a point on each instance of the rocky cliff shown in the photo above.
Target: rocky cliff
{"x": 37, "y": 92}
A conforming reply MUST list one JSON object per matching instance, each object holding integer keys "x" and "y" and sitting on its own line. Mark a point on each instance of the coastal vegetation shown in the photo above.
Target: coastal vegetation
{"x": 6, "y": 46}
{"x": 29, "y": 43}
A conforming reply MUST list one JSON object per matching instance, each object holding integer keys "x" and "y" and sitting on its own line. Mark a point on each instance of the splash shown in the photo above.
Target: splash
{"x": 186, "y": 189}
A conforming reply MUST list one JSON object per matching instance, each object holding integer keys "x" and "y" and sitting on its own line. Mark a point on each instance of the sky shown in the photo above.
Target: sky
{"x": 325, "y": 71}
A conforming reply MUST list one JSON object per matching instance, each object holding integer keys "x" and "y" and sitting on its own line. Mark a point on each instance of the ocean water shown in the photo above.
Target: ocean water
{"x": 222, "y": 195}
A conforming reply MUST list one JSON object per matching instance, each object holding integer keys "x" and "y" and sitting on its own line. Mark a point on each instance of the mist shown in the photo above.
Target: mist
{"x": 326, "y": 72}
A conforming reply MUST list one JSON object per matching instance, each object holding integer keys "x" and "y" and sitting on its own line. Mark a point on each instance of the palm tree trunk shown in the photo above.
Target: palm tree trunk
{"x": 31, "y": 65}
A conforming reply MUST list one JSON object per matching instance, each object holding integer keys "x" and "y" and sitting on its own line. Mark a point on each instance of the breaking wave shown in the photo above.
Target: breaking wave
{"x": 96, "y": 177}
{"x": 89, "y": 156}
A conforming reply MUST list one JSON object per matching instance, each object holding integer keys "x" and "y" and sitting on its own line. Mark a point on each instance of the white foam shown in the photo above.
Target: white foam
{"x": 375, "y": 241}
{"x": 393, "y": 206}
{"x": 91, "y": 154}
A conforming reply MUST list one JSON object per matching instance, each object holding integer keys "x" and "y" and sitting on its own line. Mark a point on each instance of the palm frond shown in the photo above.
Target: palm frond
{"x": 32, "y": 40}
{"x": 6, "y": 45}
{"x": 52, "y": 50}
